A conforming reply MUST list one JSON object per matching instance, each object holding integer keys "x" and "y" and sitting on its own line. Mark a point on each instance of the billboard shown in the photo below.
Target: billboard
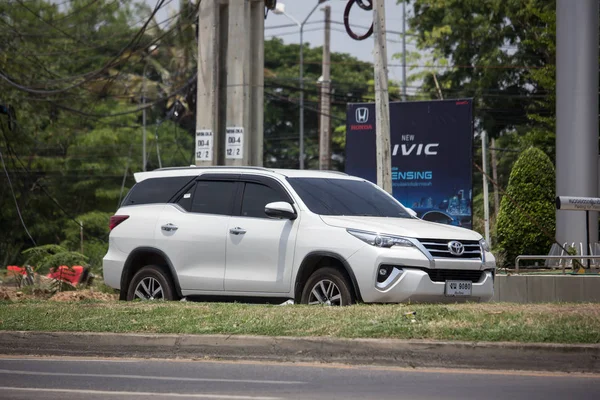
{"x": 431, "y": 147}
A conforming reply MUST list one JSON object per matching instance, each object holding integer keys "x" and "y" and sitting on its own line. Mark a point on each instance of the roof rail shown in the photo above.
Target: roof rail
{"x": 213, "y": 167}
{"x": 335, "y": 172}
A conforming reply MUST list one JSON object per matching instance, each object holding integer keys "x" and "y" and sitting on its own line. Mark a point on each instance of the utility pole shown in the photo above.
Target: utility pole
{"x": 495, "y": 176}
{"x": 325, "y": 142}
{"x": 81, "y": 235}
{"x": 208, "y": 94}
{"x": 382, "y": 104}
{"x": 404, "y": 51}
{"x": 144, "y": 118}
{"x": 576, "y": 114}
{"x": 486, "y": 199}
{"x": 238, "y": 84}
{"x": 229, "y": 114}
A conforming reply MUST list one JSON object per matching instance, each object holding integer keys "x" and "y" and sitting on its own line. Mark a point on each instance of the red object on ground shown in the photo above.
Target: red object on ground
{"x": 16, "y": 270}
{"x": 64, "y": 273}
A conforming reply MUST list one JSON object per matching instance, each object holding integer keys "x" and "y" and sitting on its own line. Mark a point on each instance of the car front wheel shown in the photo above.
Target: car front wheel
{"x": 151, "y": 283}
{"x": 327, "y": 286}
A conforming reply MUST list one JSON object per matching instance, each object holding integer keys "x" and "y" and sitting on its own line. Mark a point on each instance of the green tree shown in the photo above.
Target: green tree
{"x": 492, "y": 46}
{"x": 502, "y": 54}
{"x": 527, "y": 206}
{"x": 352, "y": 81}
{"x": 72, "y": 73}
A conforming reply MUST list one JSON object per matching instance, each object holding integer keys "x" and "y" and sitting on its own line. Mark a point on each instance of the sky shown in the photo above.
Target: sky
{"x": 314, "y": 29}
{"x": 340, "y": 41}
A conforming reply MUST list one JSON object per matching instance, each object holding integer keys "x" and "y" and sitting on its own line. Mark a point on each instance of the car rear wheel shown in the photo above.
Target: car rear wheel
{"x": 151, "y": 283}
{"x": 327, "y": 286}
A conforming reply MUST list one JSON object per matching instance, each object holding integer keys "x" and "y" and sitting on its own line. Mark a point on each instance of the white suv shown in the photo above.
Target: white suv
{"x": 312, "y": 236}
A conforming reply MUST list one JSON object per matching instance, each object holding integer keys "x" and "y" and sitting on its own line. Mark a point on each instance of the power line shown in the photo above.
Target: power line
{"x": 15, "y": 199}
{"x": 93, "y": 74}
{"x": 44, "y": 190}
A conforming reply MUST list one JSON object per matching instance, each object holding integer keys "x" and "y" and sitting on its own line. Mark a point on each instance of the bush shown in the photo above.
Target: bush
{"x": 532, "y": 187}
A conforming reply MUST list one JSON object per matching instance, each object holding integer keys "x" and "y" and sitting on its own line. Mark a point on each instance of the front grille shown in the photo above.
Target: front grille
{"x": 438, "y": 248}
{"x": 442, "y": 275}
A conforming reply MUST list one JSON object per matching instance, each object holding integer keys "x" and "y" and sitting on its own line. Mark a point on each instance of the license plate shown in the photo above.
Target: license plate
{"x": 458, "y": 288}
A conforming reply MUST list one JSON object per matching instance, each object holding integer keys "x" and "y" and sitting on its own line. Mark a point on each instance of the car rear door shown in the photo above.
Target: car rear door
{"x": 193, "y": 231}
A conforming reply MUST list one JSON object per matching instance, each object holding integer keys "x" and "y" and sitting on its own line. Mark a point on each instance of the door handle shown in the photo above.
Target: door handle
{"x": 237, "y": 231}
{"x": 169, "y": 227}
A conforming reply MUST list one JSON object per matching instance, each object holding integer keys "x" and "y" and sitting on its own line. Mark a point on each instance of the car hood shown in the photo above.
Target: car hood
{"x": 413, "y": 228}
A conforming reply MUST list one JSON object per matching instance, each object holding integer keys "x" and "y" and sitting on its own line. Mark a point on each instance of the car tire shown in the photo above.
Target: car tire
{"x": 151, "y": 282}
{"x": 327, "y": 286}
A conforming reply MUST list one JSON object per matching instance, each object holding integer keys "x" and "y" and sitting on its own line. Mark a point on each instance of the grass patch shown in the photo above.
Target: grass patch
{"x": 551, "y": 323}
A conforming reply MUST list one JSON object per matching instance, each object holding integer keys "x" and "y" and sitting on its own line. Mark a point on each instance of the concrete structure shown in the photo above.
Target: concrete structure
{"x": 382, "y": 102}
{"x": 576, "y": 113}
{"x": 325, "y": 125}
{"x": 547, "y": 288}
{"x": 229, "y": 119}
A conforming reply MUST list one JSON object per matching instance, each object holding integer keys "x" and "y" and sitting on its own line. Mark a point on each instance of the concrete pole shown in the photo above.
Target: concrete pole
{"x": 404, "y": 51}
{"x": 325, "y": 142}
{"x": 144, "y": 117}
{"x": 257, "y": 78}
{"x": 486, "y": 197}
{"x": 301, "y": 77}
{"x": 207, "y": 100}
{"x": 382, "y": 104}
{"x": 238, "y": 84}
{"x": 495, "y": 177}
{"x": 576, "y": 114}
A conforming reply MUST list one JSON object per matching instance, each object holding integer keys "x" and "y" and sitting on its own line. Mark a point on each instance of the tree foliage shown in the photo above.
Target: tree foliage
{"x": 75, "y": 75}
{"x": 50, "y": 257}
{"x": 502, "y": 54}
{"x": 72, "y": 77}
{"x": 492, "y": 45}
{"x": 352, "y": 81}
{"x": 527, "y": 206}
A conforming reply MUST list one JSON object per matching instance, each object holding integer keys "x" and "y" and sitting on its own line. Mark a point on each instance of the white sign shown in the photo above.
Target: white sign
{"x": 234, "y": 142}
{"x": 204, "y": 145}
{"x": 578, "y": 203}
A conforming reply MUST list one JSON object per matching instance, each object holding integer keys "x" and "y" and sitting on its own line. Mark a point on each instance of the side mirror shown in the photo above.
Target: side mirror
{"x": 412, "y": 212}
{"x": 281, "y": 210}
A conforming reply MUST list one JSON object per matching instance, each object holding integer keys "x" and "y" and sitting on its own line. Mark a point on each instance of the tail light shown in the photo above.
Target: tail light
{"x": 116, "y": 220}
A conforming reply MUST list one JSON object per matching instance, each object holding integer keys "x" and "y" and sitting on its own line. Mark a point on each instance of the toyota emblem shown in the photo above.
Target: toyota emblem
{"x": 456, "y": 248}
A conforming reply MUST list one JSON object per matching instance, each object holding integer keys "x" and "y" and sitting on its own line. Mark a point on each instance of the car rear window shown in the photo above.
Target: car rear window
{"x": 156, "y": 190}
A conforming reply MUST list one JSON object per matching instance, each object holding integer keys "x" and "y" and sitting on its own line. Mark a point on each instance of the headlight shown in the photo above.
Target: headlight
{"x": 378, "y": 240}
{"x": 484, "y": 245}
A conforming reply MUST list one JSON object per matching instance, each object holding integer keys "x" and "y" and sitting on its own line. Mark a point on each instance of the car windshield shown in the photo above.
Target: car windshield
{"x": 346, "y": 197}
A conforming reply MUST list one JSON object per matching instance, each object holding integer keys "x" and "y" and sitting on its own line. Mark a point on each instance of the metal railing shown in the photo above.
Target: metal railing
{"x": 575, "y": 257}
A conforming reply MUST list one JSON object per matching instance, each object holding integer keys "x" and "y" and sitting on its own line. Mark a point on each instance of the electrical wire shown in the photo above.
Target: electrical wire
{"x": 15, "y": 199}
{"x": 89, "y": 76}
{"x": 45, "y": 191}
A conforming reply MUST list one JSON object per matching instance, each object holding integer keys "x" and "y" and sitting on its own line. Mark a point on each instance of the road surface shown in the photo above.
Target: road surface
{"x": 95, "y": 379}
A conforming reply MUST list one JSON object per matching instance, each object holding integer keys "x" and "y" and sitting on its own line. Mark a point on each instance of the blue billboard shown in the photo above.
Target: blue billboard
{"x": 431, "y": 147}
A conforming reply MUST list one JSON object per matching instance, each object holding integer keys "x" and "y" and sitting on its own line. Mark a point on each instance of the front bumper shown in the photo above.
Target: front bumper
{"x": 415, "y": 284}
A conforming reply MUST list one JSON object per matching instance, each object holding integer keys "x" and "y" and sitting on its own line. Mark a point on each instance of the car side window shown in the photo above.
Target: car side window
{"x": 256, "y": 197}
{"x": 213, "y": 197}
{"x": 185, "y": 201}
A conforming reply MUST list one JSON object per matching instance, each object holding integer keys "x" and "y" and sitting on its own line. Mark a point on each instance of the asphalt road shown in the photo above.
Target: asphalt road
{"x": 78, "y": 378}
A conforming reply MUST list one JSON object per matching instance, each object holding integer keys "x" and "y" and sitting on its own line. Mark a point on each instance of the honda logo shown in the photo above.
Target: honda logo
{"x": 456, "y": 248}
{"x": 362, "y": 115}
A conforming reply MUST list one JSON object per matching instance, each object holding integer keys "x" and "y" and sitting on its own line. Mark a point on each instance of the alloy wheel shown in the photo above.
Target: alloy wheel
{"x": 149, "y": 289}
{"x": 325, "y": 292}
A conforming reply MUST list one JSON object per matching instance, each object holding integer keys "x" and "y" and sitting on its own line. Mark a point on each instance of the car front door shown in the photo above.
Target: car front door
{"x": 193, "y": 230}
{"x": 260, "y": 250}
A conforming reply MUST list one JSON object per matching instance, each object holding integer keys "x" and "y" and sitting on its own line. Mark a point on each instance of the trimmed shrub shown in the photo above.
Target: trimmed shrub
{"x": 532, "y": 186}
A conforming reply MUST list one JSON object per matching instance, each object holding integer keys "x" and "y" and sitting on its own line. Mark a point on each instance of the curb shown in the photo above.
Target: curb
{"x": 383, "y": 352}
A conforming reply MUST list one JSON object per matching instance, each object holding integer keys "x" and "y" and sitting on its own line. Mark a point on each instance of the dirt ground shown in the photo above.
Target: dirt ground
{"x": 11, "y": 293}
